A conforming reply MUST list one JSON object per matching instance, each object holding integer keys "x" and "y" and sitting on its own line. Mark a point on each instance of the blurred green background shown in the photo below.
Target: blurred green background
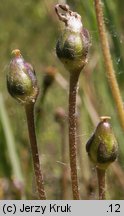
{"x": 33, "y": 27}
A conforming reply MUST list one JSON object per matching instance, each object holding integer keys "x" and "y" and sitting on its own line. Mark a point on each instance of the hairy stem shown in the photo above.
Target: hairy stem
{"x": 101, "y": 183}
{"x": 36, "y": 162}
{"x": 108, "y": 62}
{"x": 72, "y": 134}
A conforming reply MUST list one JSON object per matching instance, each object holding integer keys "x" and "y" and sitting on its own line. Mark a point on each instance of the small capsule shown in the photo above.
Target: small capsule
{"x": 73, "y": 45}
{"x": 102, "y": 147}
{"x": 21, "y": 79}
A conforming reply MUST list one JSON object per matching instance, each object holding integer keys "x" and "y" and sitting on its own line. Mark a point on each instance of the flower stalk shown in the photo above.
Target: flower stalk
{"x": 22, "y": 85}
{"x": 72, "y": 135}
{"x": 108, "y": 62}
{"x": 29, "y": 109}
{"x": 72, "y": 49}
{"x": 101, "y": 174}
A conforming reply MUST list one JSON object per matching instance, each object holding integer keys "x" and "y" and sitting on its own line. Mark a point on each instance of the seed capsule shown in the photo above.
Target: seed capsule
{"x": 102, "y": 147}
{"x": 21, "y": 79}
{"x": 73, "y": 45}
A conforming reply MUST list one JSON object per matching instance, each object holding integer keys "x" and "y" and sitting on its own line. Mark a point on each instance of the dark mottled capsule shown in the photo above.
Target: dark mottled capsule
{"x": 21, "y": 79}
{"x": 102, "y": 147}
{"x": 73, "y": 45}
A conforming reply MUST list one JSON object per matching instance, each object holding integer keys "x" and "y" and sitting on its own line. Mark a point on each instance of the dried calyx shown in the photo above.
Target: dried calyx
{"x": 73, "y": 44}
{"x": 102, "y": 147}
{"x": 49, "y": 77}
{"x": 21, "y": 79}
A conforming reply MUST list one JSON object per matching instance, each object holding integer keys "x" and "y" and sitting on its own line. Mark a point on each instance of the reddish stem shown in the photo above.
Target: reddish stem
{"x": 101, "y": 183}
{"x": 110, "y": 72}
{"x": 36, "y": 162}
{"x": 72, "y": 134}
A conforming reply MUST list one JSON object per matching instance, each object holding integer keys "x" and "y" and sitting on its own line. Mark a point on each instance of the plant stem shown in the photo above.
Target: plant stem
{"x": 101, "y": 183}
{"x": 72, "y": 134}
{"x": 108, "y": 62}
{"x": 36, "y": 162}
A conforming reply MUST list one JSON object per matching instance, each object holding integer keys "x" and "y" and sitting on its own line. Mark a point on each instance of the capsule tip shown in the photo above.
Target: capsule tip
{"x": 105, "y": 118}
{"x": 16, "y": 52}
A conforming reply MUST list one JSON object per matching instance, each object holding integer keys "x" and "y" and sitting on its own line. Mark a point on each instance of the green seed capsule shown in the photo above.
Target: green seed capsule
{"x": 73, "y": 45}
{"x": 102, "y": 147}
{"x": 21, "y": 80}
